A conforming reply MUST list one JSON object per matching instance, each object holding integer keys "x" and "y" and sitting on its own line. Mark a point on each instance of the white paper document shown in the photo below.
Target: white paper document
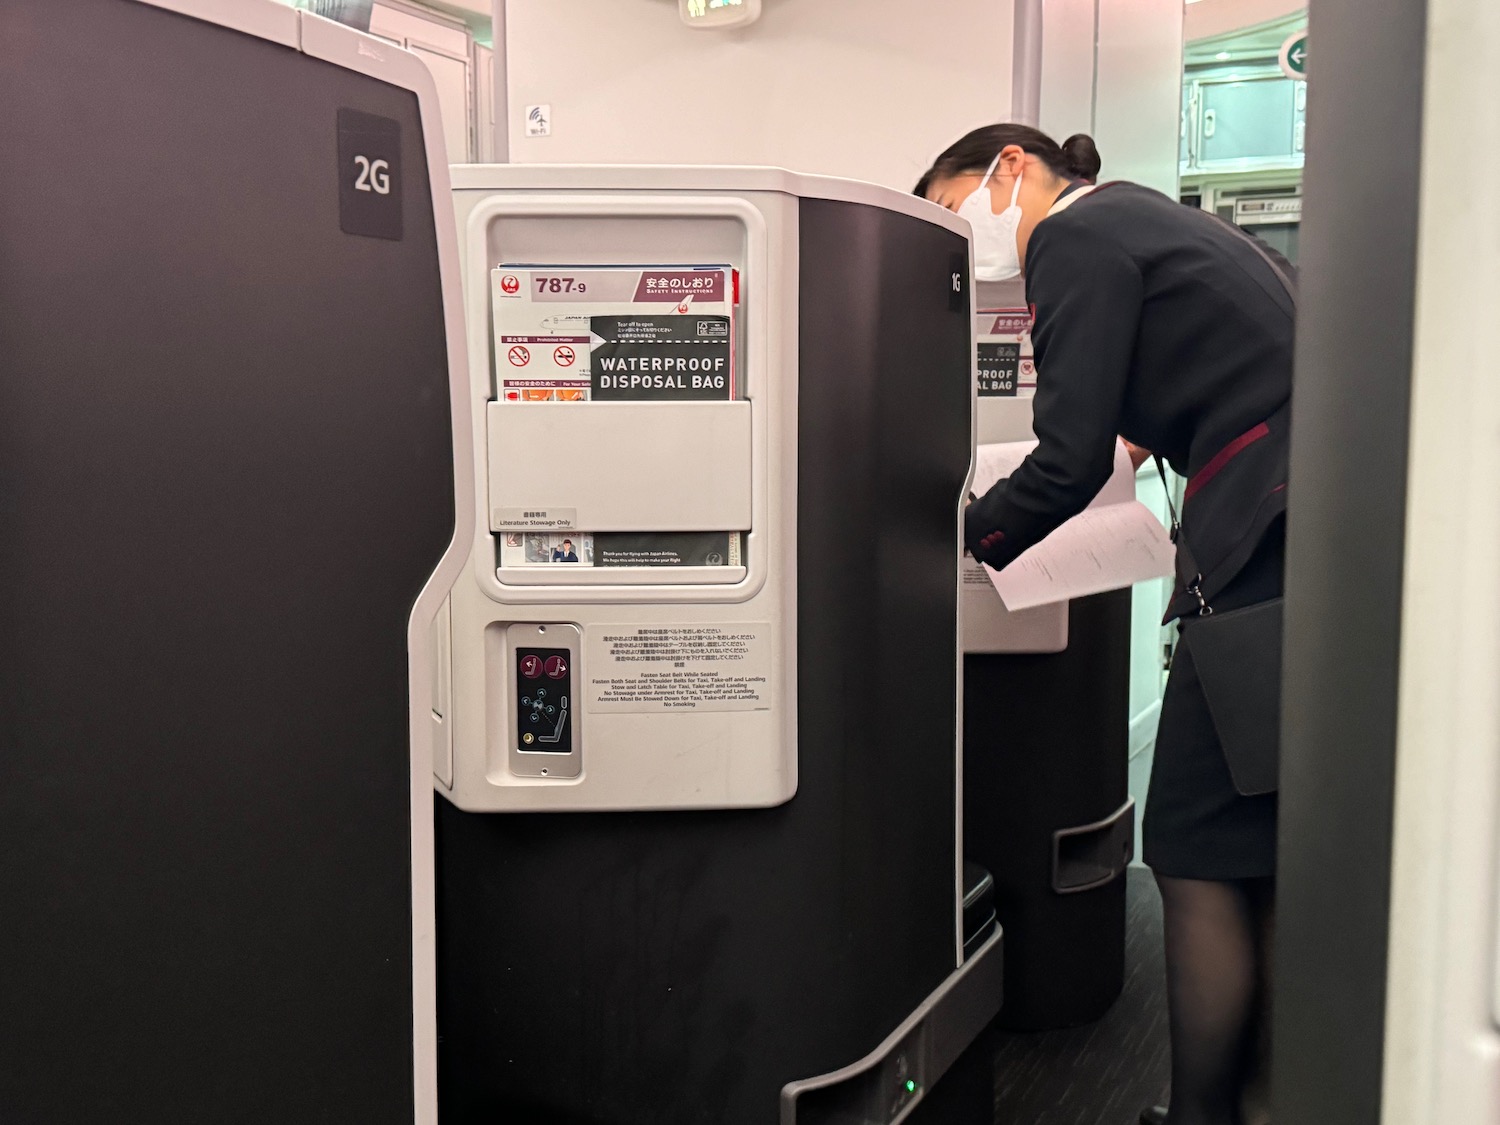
{"x": 1115, "y": 542}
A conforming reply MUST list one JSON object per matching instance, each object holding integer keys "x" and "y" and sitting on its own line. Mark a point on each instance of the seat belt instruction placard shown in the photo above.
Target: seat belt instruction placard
{"x": 652, "y": 669}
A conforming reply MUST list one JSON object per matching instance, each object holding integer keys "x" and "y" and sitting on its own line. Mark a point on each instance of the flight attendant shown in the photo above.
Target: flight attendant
{"x": 1174, "y": 329}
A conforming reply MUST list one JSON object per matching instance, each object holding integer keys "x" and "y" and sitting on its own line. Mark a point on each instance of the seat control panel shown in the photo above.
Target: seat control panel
{"x": 543, "y": 733}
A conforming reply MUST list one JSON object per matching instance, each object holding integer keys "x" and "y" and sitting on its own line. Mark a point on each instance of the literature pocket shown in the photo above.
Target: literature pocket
{"x": 621, "y": 466}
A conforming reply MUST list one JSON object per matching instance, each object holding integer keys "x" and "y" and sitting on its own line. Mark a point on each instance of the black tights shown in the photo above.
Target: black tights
{"x": 1218, "y": 939}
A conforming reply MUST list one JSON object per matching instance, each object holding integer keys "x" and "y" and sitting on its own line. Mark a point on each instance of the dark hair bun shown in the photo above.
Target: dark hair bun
{"x": 1080, "y": 157}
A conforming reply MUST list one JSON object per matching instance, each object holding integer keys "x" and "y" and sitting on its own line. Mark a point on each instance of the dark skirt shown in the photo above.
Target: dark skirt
{"x": 1197, "y": 825}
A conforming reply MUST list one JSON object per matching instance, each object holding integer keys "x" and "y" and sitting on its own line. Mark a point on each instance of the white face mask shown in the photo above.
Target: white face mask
{"x": 997, "y": 257}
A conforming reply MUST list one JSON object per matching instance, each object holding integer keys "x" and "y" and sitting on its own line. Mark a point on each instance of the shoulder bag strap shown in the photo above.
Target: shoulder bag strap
{"x": 1195, "y": 587}
{"x": 1261, "y": 249}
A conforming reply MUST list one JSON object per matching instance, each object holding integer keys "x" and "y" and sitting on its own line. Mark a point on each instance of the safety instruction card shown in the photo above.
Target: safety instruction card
{"x": 613, "y": 333}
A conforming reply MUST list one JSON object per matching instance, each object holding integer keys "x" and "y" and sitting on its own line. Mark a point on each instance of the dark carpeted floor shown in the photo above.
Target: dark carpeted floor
{"x": 1102, "y": 1074}
{"x": 1106, "y": 1073}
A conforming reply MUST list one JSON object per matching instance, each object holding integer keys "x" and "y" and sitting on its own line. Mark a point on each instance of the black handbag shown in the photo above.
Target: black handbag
{"x": 1237, "y": 656}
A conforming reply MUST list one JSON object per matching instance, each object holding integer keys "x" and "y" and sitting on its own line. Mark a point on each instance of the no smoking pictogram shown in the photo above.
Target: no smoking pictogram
{"x": 564, "y": 356}
{"x": 510, "y": 283}
{"x": 519, "y": 356}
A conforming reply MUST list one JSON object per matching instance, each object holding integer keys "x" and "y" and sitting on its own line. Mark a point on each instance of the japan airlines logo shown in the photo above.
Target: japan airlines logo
{"x": 510, "y": 285}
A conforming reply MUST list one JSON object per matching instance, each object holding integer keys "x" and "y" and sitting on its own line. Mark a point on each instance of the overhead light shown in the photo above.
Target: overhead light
{"x": 1224, "y": 56}
{"x": 718, "y": 13}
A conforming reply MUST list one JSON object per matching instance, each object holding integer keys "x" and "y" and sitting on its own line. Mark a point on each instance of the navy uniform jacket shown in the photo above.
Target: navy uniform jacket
{"x": 1162, "y": 324}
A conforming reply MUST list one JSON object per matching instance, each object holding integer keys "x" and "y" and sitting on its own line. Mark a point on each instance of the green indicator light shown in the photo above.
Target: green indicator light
{"x": 911, "y": 1087}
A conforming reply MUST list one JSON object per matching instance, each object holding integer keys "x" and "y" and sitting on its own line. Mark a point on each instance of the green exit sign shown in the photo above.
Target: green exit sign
{"x": 1294, "y": 57}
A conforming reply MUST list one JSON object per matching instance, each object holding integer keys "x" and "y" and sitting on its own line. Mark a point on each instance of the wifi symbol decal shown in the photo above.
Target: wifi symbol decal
{"x": 539, "y": 121}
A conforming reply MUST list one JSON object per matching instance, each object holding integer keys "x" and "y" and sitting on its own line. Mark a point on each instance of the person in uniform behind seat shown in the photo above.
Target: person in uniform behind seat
{"x": 1172, "y": 328}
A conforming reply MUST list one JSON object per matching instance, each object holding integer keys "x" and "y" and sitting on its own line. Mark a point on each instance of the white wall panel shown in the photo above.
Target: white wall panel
{"x": 837, "y": 87}
{"x": 1138, "y": 121}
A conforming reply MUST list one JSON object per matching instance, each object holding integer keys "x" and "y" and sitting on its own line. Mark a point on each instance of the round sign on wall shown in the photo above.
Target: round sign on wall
{"x": 1294, "y": 57}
